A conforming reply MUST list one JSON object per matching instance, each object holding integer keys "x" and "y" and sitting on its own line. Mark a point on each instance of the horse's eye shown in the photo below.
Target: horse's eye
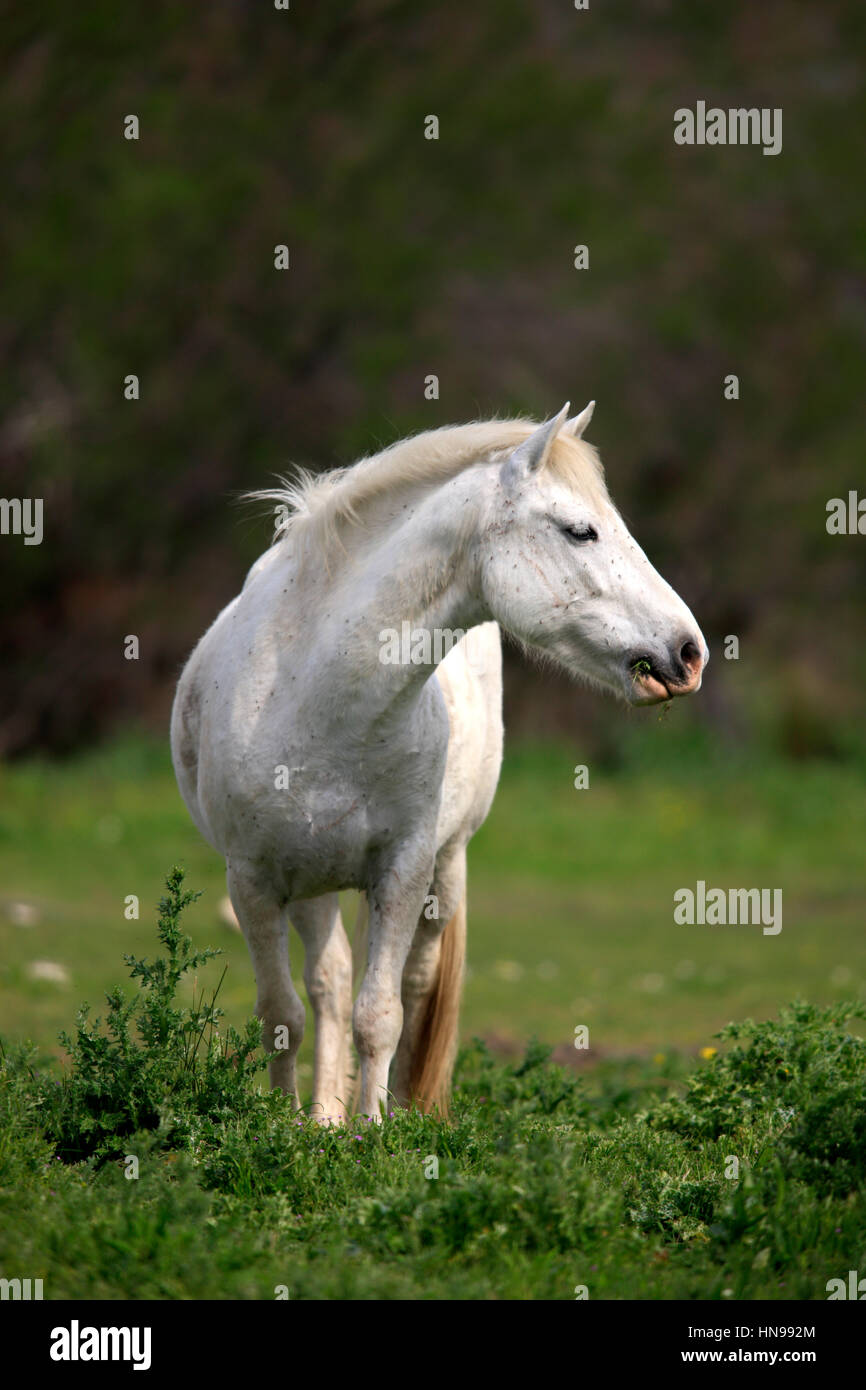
{"x": 581, "y": 533}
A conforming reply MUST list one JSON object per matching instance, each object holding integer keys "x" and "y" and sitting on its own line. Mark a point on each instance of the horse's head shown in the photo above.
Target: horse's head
{"x": 561, "y": 572}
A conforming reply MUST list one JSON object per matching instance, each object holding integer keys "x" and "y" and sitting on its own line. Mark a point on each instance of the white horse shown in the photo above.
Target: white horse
{"x": 318, "y": 752}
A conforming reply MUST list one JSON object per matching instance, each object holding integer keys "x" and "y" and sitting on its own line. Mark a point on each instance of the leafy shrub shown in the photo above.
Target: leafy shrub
{"x": 796, "y": 1084}
{"x": 777, "y": 1066}
{"x": 156, "y": 1064}
{"x": 530, "y": 1086}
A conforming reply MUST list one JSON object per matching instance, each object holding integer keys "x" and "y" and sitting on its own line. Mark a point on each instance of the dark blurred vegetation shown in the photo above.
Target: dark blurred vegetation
{"x": 411, "y": 257}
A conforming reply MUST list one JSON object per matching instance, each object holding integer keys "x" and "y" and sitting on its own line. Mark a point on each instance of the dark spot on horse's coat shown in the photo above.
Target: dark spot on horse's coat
{"x": 189, "y": 717}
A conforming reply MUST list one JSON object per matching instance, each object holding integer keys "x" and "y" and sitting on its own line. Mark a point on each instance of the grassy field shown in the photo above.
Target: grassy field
{"x": 570, "y": 898}
{"x": 614, "y": 1177}
{"x": 158, "y": 1168}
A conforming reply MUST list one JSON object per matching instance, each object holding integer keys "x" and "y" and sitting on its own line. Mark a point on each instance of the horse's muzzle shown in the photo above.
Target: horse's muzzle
{"x": 680, "y": 672}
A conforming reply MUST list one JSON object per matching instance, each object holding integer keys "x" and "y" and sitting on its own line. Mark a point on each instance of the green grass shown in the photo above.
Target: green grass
{"x": 157, "y": 1168}
{"x": 570, "y": 892}
{"x": 614, "y": 1177}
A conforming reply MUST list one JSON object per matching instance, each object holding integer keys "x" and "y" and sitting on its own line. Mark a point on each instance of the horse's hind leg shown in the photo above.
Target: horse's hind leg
{"x": 278, "y": 1004}
{"x": 421, "y": 973}
{"x": 328, "y": 977}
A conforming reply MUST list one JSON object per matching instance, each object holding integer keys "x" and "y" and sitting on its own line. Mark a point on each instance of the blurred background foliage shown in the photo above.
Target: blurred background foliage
{"x": 411, "y": 257}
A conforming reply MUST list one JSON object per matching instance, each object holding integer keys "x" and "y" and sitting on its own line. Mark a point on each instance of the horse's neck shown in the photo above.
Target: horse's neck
{"x": 421, "y": 572}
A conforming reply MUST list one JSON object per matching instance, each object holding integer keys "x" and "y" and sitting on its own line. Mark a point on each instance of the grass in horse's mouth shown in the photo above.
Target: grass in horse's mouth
{"x": 642, "y": 667}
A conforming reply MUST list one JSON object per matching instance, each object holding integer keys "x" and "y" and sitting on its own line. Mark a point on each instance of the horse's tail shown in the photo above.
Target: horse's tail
{"x": 436, "y": 1049}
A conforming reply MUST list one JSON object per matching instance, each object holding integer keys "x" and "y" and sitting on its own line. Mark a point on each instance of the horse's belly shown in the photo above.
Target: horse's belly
{"x": 320, "y": 838}
{"x": 304, "y": 848}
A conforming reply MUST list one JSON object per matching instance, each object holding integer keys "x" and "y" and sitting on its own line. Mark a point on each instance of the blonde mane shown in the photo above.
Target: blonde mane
{"x": 319, "y": 508}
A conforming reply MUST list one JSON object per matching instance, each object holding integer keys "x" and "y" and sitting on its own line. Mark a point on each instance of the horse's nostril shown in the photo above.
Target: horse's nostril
{"x": 690, "y": 655}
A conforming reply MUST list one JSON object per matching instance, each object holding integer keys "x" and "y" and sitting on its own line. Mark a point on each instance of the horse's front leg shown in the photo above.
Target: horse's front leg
{"x": 328, "y": 976}
{"x": 395, "y": 900}
{"x": 278, "y": 1005}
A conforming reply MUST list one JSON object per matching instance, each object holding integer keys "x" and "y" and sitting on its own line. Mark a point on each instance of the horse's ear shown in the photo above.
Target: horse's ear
{"x": 578, "y": 424}
{"x": 531, "y": 456}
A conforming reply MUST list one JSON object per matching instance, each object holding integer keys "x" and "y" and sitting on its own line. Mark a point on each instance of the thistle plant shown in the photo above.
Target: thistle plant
{"x": 156, "y": 1063}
